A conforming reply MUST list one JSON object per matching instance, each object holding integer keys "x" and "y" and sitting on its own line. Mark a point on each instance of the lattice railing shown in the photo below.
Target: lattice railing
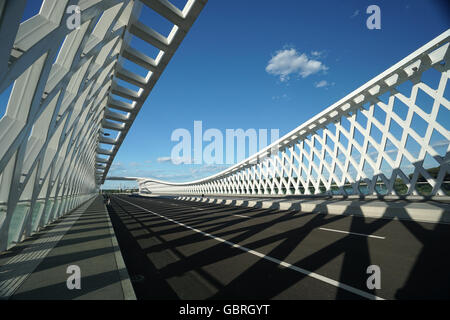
{"x": 388, "y": 137}
{"x": 64, "y": 88}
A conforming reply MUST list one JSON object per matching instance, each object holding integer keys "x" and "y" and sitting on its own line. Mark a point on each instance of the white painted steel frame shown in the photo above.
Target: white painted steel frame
{"x": 322, "y": 156}
{"x": 61, "y": 100}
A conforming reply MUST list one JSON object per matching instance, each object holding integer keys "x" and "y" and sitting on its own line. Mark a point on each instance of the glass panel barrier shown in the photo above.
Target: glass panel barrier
{"x": 17, "y": 219}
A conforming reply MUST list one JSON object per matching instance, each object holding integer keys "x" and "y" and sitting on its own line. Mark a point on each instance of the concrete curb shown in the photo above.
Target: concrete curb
{"x": 415, "y": 211}
{"x": 125, "y": 282}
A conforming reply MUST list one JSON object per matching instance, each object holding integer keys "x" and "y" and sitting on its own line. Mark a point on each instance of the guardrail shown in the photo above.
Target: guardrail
{"x": 388, "y": 137}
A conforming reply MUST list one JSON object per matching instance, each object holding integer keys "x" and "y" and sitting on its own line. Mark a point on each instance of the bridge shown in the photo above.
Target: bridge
{"x": 359, "y": 184}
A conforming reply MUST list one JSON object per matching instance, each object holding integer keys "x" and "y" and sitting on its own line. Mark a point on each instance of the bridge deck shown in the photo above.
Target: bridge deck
{"x": 188, "y": 250}
{"x": 37, "y": 268}
{"x": 176, "y": 249}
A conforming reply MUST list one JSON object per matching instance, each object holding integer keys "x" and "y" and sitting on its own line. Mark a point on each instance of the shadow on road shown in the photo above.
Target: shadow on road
{"x": 151, "y": 247}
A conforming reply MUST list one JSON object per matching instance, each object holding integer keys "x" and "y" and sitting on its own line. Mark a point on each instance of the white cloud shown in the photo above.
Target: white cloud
{"x": 186, "y": 174}
{"x": 283, "y": 96}
{"x": 316, "y": 53}
{"x": 356, "y": 13}
{"x": 118, "y": 163}
{"x": 208, "y": 169}
{"x": 175, "y": 160}
{"x": 164, "y": 159}
{"x": 440, "y": 143}
{"x": 118, "y": 166}
{"x": 288, "y": 61}
{"x": 323, "y": 83}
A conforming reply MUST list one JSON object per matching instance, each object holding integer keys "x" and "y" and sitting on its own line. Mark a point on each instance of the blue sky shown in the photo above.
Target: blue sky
{"x": 221, "y": 73}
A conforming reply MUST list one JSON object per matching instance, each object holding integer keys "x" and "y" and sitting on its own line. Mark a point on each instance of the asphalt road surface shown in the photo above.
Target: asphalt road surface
{"x": 186, "y": 250}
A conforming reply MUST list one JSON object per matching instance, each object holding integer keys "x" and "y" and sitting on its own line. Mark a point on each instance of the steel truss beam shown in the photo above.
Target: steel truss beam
{"x": 378, "y": 140}
{"x": 62, "y": 86}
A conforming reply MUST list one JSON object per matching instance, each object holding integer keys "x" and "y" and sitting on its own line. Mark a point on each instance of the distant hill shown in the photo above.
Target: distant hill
{"x": 433, "y": 173}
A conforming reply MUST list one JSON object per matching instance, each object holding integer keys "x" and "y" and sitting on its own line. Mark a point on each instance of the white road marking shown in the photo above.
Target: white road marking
{"x": 198, "y": 208}
{"x": 269, "y": 258}
{"x": 179, "y": 205}
{"x": 201, "y": 209}
{"x": 237, "y": 215}
{"x": 240, "y": 215}
{"x": 355, "y": 233}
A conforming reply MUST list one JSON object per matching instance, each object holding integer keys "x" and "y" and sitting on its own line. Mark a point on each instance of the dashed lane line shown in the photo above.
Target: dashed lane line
{"x": 269, "y": 258}
{"x": 354, "y": 233}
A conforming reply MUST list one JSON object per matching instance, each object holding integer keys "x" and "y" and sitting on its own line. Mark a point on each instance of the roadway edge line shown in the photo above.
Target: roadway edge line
{"x": 125, "y": 282}
{"x": 355, "y": 233}
{"x": 269, "y": 258}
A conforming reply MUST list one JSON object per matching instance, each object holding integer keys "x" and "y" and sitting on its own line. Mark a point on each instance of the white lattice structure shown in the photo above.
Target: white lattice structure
{"x": 390, "y": 136}
{"x": 62, "y": 85}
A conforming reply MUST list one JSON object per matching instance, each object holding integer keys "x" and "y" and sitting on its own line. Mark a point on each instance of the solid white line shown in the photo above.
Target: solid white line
{"x": 198, "y": 208}
{"x": 179, "y": 205}
{"x": 269, "y": 258}
{"x": 125, "y": 282}
{"x": 355, "y": 233}
{"x": 240, "y": 215}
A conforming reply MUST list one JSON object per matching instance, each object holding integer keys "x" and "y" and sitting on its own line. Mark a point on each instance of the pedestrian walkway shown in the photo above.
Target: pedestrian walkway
{"x": 38, "y": 267}
{"x": 416, "y": 209}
